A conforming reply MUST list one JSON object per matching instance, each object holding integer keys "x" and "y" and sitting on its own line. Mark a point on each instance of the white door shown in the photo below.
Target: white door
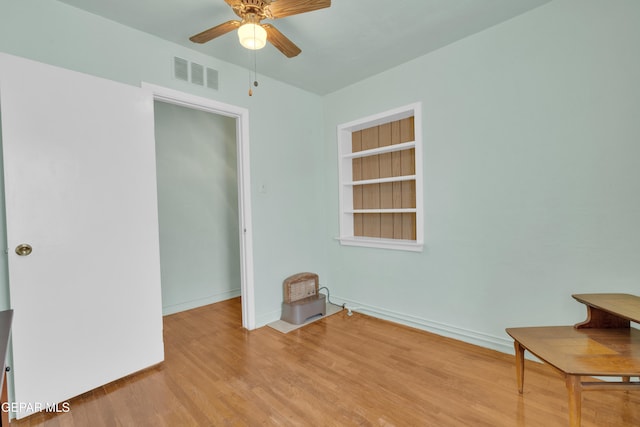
{"x": 81, "y": 191}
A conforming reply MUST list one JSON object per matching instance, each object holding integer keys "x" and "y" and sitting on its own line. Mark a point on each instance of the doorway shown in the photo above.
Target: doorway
{"x": 204, "y": 202}
{"x": 196, "y": 167}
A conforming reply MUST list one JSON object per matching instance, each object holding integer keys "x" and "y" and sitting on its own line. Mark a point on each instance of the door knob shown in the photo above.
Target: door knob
{"x": 23, "y": 249}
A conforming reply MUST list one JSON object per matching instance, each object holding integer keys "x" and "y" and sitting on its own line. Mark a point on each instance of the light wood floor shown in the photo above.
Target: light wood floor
{"x": 339, "y": 371}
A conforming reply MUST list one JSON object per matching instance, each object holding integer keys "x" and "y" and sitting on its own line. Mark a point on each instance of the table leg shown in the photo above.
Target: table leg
{"x": 519, "y": 365}
{"x": 574, "y": 389}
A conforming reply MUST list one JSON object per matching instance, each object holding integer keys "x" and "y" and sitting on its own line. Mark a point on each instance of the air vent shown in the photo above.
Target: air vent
{"x": 212, "y": 78}
{"x": 181, "y": 69}
{"x": 197, "y": 74}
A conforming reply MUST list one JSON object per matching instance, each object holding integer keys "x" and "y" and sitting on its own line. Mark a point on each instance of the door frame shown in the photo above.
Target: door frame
{"x": 241, "y": 115}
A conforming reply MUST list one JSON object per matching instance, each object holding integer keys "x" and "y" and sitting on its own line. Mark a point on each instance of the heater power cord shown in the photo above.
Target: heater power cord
{"x": 329, "y": 297}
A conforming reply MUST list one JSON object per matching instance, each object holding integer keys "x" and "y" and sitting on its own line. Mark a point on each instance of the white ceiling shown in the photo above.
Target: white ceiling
{"x": 343, "y": 44}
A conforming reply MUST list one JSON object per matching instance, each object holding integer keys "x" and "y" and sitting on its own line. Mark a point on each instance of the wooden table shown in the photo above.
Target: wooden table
{"x": 604, "y": 345}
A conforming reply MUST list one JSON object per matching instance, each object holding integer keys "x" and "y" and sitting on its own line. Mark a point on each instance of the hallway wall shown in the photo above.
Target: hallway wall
{"x": 197, "y": 207}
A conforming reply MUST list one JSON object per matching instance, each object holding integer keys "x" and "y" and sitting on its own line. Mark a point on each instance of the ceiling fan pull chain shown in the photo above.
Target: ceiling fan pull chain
{"x": 255, "y": 68}
{"x": 255, "y": 74}
{"x": 250, "y": 77}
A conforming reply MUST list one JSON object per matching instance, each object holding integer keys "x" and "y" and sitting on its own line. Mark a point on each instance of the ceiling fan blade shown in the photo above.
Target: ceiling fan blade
{"x": 214, "y": 32}
{"x": 281, "y": 42}
{"x": 282, "y": 8}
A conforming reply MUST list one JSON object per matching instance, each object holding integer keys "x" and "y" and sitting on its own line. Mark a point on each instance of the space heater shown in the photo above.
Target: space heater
{"x": 302, "y": 300}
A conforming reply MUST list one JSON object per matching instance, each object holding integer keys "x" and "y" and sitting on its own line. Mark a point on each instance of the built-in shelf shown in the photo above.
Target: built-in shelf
{"x": 382, "y": 180}
{"x": 374, "y": 211}
{"x": 380, "y": 150}
{"x": 396, "y": 136}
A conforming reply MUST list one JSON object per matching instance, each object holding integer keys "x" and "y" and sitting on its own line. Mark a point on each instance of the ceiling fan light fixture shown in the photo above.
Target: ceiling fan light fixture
{"x": 252, "y": 36}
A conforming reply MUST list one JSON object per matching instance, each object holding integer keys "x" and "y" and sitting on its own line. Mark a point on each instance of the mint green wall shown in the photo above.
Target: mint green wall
{"x": 197, "y": 207}
{"x": 532, "y": 174}
{"x": 530, "y": 158}
{"x": 285, "y": 127}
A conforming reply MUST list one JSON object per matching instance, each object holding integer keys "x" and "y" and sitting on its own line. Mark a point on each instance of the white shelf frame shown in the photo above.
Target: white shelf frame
{"x": 380, "y": 150}
{"x": 346, "y": 183}
{"x": 382, "y": 180}
{"x": 384, "y": 211}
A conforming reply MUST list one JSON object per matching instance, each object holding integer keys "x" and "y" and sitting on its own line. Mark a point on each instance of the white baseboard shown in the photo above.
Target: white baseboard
{"x": 265, "y": 319}
{"x": 188, "y": 305}
{"x": 503, "y": 345}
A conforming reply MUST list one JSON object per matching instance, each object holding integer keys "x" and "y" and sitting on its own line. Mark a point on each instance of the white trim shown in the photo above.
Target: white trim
{"x": 371, "y": 242}
{"x": 390, "y": 210}
{"x": 382, "y": 118}
{"x": 241, "y": 115}
{"x": 501, "y": 344}
{"x": 382, "y": 180}
{"x": 380, "y": 150}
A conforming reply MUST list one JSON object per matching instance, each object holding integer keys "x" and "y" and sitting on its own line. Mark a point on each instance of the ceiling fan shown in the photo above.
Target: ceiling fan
{"x": 254, "y": 35}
